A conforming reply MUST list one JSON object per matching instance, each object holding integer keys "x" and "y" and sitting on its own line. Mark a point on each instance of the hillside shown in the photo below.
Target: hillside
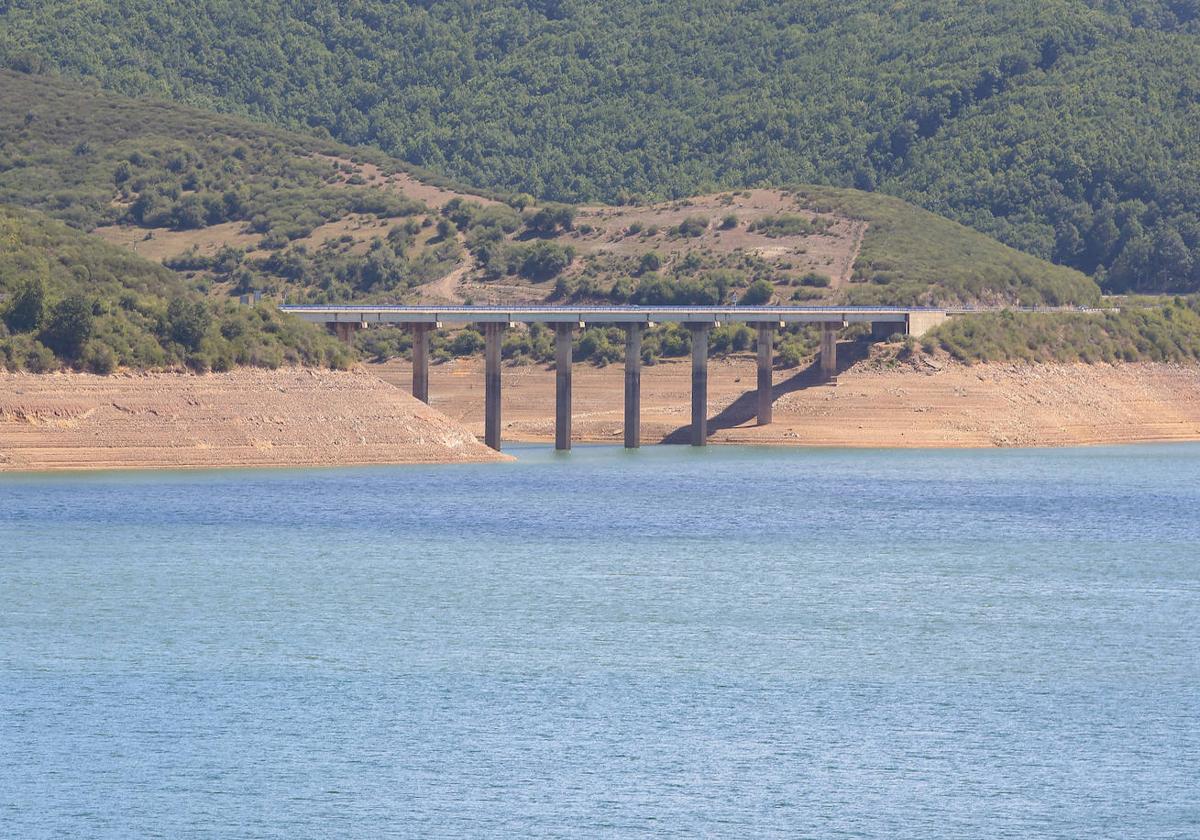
{"x": 1065, "y": 128}
{"x": 67, "y": 298}
{"x": 234, "y": 206}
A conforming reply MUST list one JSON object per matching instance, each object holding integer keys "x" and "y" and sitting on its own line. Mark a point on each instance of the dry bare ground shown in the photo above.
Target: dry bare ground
{"x": 246, "y": 418}
{"x": 927, "y": 403}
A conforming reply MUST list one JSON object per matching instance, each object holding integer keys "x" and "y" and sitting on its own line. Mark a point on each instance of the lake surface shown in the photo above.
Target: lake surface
{"x": 678, "y": 643}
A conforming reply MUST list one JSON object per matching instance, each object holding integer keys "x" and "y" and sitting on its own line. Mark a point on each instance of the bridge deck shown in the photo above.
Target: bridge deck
{"x": 601, "y": 314}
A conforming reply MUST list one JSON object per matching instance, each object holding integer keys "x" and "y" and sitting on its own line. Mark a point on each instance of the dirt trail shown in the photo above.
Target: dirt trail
{"x": 446, "y": 289}
{"x": 872, "y": 405}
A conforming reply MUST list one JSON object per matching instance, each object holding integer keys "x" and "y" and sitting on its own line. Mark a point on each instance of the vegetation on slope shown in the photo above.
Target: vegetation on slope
{"x": 1063, "y": 127}
{"x": 316, "y": 222}
{"x": 69, "y": 299}
{"x": 911, "y": 256}
{"x": 94, "y": 159}
{"x": 1169, "y": 333}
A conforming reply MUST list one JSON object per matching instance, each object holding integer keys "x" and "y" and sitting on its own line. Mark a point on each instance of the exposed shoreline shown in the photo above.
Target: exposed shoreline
{"x": 877, "y": 403}
{"x": 248, "y": 418}
{"x": 307, "y": 418}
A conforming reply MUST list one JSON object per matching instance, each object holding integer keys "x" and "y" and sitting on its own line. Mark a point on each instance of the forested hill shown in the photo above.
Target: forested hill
{"x": 1066, "y": 128}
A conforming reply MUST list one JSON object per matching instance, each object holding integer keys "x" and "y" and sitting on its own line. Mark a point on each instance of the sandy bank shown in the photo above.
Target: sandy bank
{"x": 873, "y": 404}
{"x": 245, "y": 418}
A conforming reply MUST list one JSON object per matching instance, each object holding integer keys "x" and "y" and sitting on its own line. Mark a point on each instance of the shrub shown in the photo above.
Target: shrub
{"x": 69, "y": 327}
{"x": 650, "y": 261}
{"x": 547, "y": 220}
{"x": 28, "y": 306}
{"x": 759, "y": 293}
{"x": 692, "y": 226}
{"x": 99, "y": 358}
{"x": 188, "y": 322}
{"x": 466, "y": 343}
{"x": 815, "y": 279}
{"x": 545, "y": 260}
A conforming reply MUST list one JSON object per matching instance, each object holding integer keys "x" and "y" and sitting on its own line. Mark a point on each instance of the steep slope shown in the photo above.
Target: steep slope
{"x": 1055, "y": 125}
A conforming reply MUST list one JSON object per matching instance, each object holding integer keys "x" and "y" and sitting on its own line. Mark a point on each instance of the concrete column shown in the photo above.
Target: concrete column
{"x": 766, "y": 340}
{"x": 699, "y": 383}
{"x": 492, "y": 333}
{"x": 420, "y": 361}
{"x": 633, "y": 386}
{"x": 345, "y": 330}
{"x": 563, "y": 336}
{"x": 829, "y": 331}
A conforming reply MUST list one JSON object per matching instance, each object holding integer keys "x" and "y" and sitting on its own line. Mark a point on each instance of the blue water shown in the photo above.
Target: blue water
{"x": 677, "y": 643}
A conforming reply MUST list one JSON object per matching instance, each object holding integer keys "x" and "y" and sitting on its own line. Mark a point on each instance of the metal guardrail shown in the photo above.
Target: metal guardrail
{"x": 366, "y": 313}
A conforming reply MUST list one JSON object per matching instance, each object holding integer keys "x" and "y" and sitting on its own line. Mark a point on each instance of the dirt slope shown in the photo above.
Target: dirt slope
{"x": 873, "y": 404}
{"x": 246, "y": 418}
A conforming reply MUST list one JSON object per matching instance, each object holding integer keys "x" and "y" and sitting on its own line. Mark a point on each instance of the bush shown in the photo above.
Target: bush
{"x": 188, "y": 322}
{"x": 759, "y": 293}
{"x": 69, "y": 327}
{"x": 816, "y": 280}
{"x": 547, "y": 220}
{"x": 28, "y": 306}
{"x": 99, "y": 358}
{"x": 468, "y": 342}
{"x": 650, "y": 261}
{"x": 692, "y": 226}
{"x": 545, "y": 260}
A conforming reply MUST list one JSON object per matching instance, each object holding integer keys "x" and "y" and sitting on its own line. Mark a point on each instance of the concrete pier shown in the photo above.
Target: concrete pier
{"x": 766, "y": 341}
{"x": 345, "y": 331}
{"x": 829, "y": 331}
{"x": 420, "y": 361}
{"x": 563, "y": 336}
{"x": 699, "y": 383}
{"x": 493, "y": 333}
{"x": 633, "y": 386}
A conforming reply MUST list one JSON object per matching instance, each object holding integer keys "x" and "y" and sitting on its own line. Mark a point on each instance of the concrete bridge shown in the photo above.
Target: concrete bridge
{"x": 884, "y": 321}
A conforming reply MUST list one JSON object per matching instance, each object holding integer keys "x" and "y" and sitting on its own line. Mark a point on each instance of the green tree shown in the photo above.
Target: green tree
{"x": 28, "y": 306}
{"x": 757, "y": 294}
{"x": 188, "y": 322}
{"x": 545, "y": 260}
{"x": 69, "y": 326}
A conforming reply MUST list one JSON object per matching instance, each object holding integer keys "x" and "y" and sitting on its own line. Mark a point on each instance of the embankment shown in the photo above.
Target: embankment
{"x": 245, "y": 418}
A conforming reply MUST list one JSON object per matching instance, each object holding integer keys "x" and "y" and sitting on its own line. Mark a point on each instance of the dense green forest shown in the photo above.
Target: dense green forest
{"x": 69, "y": 299}
{"x": 1067, "y": 128}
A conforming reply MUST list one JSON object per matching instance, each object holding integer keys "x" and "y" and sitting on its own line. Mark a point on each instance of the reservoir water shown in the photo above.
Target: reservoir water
{"x": 678, "y": 643}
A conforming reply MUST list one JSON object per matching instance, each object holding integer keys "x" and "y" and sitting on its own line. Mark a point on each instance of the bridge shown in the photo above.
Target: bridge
{"x": 885, "y": 321}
